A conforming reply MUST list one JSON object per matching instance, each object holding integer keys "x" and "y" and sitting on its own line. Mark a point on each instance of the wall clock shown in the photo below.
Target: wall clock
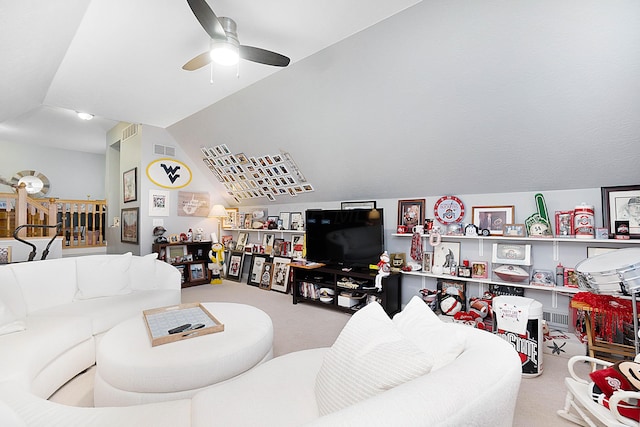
{"x": 448, "y": 209}
{"x": 37, "y": 184}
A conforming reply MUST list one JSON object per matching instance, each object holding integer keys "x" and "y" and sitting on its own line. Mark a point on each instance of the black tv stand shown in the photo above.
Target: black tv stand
{"x": 352, "y": 290}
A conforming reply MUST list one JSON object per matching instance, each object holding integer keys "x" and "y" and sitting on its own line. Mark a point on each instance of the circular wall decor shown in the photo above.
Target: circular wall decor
{"x": 169, "y": 173}
{"x": 448, "y": 209}
{"x": 37, "y": 184}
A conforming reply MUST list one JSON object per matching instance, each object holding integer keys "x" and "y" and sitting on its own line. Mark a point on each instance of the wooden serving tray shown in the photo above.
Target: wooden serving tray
{"x": 159, "y": 321}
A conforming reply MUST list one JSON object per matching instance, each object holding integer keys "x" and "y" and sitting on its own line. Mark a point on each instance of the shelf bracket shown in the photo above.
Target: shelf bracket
{"x": 480, "y": 247}
{"x": 556, "y": 250}
{"x": 554, "y": 300}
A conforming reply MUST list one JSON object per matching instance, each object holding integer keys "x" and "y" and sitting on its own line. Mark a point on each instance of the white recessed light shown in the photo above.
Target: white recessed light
{"x": 84, "y": 116}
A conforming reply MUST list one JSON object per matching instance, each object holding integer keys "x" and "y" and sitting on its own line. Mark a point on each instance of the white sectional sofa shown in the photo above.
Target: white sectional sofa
{"x": 411, "y": 371}
{"x": 53, "y": 312}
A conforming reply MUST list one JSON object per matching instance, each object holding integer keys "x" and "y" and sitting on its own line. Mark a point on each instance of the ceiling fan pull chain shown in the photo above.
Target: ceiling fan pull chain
{"x": 211, "y": 76}
{"x": 238, "y": 70}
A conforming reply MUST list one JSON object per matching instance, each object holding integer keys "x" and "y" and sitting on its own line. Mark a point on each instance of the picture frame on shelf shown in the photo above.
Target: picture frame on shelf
{"x": 183, "y": 272}
{"x": 505, "y": 253}
{"x": 514, "y": 230}
{"x": 463, "y": 271}
{"x": 411, "y": 212}
{"x": 197, "y": 271}
{"x": 285, "y": 220}
{"x": 231, "y": 220}
{"x": 5, "y": 254}
{"x": 427, "y": 259}
{"x": 279, "y": 247}
{"x": 297, "y": 245}
{"x": 265, "y": 276}
{"x": 370, "y": 204}
{"x": 236, "y": 261}
{"x": 297, "y": 221}
{"x": 174, "y": 238}
{"x": 255, "y": 268}
{"x": 129, "y": 225}
{"x": 622, "y": 203}
{"x": 446, "y": 256}
{"x": 176, "y": 253}
{"x": 280, "y": 275}
{"x": 267, "y": 242}
{"x": 479, "y": 269}
{"x": 564, "y": 223}
{"x": 493, "y": 218}
{"x": 570, "y": 278}
{"x": 543, "y": 278}
{"x": 243, "y": 238}
{"x": 130, "y": 185}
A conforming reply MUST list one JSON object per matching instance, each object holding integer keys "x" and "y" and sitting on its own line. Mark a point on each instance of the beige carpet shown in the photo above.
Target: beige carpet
{"x": 302, "y": 326}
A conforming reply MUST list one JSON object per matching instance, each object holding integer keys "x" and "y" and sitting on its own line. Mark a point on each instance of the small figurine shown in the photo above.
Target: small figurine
{"x": 384, "y": 269}
{"x": 216, "y": 255}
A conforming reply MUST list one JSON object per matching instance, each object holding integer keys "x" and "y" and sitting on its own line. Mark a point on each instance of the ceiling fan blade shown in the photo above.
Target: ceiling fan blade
{"x": 207, "y": 19}
{"x": 198, "y": 62}
{"x": 262, "y": 56}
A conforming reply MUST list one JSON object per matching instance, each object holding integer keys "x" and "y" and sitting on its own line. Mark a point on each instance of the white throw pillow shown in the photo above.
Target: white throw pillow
{"x": 103, "y": 275}
{"x": 441, "y": 342}
{"x": 143, "y": 272}
{"x": 8, "y": 321}
{"x": 369, "y": 357}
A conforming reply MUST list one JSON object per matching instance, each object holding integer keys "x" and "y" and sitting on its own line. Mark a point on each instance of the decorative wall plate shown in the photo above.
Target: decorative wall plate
{"x": 37, "y": 184}
{"x": 448, "y": 209}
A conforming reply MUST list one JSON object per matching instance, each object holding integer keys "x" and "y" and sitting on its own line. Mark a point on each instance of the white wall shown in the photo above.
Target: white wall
{"x": 62, "y": 167}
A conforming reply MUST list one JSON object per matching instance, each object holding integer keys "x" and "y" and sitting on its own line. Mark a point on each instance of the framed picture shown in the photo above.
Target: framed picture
{"x": 234, "y": 271}
{"x": 297, "y": 221}
{"x": 285, "y": 220}
{"x": 358, "y": 205}
{"x": 5, "y": 254}
{"x": 446, "y": 255}
{"x": 464, "y": 272}
{"x": 176, "y": 253}
{"x": 564, "y": 223}
{"x": 242, "y": 240}
{"x": 267, "y": 242}
{"x": 570, "y": 278}
{"x": 129, "y": 185}
{"x": 129, "y": 225}
{"x": 492, "y": 218}
{"x": 479, "y": 269}
{"x": 265, "y": 276}
{"x": 504, "y": 253}
{"x": 174, "y": 238}
{"x": 279, "y": 247}
{"x": 158, "y": 203}
{"x": 255, "y": 269}
{"x": 451, "y": 288}
{"x": 622, "y": 203}
{"x": 297, "y": 245}
{"x": 280, "y": 275}
{"x": 193, "y": 204}
{"x": 231, "y": 220}
{"x": 410, "y": 212}
{"x": 543, "y": 278}
{"x": 197, "y": 271}
{"x": 427, "y": 259}
{"x": 513, "y": 230}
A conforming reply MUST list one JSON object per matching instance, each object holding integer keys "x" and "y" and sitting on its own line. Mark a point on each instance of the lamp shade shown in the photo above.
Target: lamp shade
{"x": 217, "y": 211}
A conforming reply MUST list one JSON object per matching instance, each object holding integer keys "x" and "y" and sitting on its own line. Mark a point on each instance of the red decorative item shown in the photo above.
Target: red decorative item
{"x": 613, "y": 311}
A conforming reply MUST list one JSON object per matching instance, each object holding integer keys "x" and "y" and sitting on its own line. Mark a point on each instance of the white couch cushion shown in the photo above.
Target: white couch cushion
{"x": 142, "y": 272}
{"x": 104, "y": 313}
{"x": 8, "y": 417}
{"x": 103, "y": 275}
{"x": 286, "y": 386}
{"x": 369, "y": 357}
{"x": 10, "y": 292}
{"x": 45, "y": 339}
{"x": 438, "y": 340}
{"x": 9, "y": 322}
{"x": 46, "y": 283}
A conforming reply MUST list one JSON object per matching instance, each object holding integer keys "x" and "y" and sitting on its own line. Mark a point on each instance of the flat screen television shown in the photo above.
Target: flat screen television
{"x": 348, "y": 238}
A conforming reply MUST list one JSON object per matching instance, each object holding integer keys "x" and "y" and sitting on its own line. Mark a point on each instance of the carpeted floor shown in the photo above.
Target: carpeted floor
{"x": 302, "y": 326}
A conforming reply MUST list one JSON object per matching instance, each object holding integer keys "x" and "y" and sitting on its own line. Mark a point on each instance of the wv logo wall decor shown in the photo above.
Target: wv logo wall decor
{"x": 169, "y": 173}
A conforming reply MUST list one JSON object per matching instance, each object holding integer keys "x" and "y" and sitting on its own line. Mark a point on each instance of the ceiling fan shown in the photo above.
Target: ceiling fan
{"x": 225, "y": 47}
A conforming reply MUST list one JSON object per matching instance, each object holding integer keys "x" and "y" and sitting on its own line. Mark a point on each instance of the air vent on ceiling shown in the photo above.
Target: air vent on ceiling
{"x": 129, "y": 131}
{"x": 164, "y": 150}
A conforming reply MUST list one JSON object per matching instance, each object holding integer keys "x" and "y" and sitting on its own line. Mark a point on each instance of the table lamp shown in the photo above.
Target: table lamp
{"x": 218, "y": 212}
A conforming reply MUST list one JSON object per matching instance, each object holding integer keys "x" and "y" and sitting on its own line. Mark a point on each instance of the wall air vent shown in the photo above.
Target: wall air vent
{"x": 164, "y": 150}
{"x": 129, "y": 131}
{"x": 556, "y": 320}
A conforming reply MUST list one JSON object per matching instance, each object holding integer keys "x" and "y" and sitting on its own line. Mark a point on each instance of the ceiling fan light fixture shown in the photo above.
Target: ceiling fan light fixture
{"x": 224, "y": 53}
{"x": 84, "y": 116}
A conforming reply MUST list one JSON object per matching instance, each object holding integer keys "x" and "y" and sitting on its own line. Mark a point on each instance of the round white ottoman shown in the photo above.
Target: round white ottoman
{"x": 129, "y": 371}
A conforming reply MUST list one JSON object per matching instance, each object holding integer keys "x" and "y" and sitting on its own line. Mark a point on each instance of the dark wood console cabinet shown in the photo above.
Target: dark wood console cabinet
{"x": 308, "y": 284}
